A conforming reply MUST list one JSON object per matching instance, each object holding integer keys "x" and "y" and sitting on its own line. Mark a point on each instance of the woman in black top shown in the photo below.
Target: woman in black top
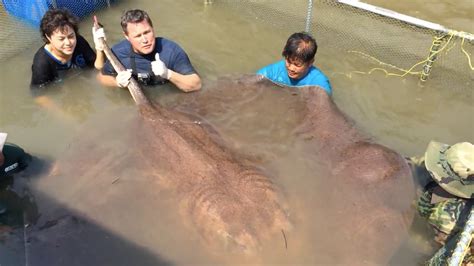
{"x": 64, "y": 48}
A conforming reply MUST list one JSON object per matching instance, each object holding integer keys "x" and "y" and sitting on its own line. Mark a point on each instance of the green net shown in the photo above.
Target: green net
{"x": 383, "y": 40}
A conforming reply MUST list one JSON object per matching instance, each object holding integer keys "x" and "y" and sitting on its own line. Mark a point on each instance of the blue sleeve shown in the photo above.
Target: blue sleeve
{"x": 264, "y": 71}
{"x": 275, "y": 71}
{"x": 326, "y": 86}
{"x": 323, "y": 81}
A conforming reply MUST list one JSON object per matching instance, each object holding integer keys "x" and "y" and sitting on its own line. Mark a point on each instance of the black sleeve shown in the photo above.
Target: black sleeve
{"x": 42, "y": 71}
{"x": 89, "y": 54}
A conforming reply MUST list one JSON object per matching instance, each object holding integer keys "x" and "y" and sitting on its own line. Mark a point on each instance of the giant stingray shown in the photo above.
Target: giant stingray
{"x": 374, "y": 182}
{"x": 229, "y": 202}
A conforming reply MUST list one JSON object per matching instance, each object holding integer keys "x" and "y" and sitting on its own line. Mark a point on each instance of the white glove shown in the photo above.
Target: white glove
{"x": 159, "y": 68}
{"x": 96, "y": 34}
{"x": 123, "y": 78}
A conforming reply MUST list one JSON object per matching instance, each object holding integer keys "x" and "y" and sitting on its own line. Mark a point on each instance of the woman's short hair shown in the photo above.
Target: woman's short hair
{"x": 55, "y": 19}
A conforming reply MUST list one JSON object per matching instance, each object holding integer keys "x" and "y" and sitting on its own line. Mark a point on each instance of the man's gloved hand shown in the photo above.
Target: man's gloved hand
{"x": 159, "y": 68}
{"x": 123, "y": 78}
{"x": 96, "y": 34}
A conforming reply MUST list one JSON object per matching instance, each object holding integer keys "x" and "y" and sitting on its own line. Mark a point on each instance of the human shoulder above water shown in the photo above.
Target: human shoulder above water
{"x": 296, "y": 69}
{"x": 151, "y": 60}
{"x": 64, "y": 49}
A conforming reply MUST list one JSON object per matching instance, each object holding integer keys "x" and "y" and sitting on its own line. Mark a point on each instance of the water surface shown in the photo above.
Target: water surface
{"x": 395, "y": 111}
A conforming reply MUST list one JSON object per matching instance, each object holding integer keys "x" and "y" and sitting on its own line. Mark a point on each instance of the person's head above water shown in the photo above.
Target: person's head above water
{"x": 452, "y": 167}
{"x": 58, "y": 21}
{"x": 58, "y": 29}
{"x": 299, "y": 53}
{"x": 138, "y": 30}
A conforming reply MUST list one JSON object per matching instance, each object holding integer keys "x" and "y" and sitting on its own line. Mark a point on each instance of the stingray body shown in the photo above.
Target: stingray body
{"x": 231, "y": 204}
{"x": 224, "y": 197}
{"x": 377, "y": 215}
{"x": 365, "y": 211}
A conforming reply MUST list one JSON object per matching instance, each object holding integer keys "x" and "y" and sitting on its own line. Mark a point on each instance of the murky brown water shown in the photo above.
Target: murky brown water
{"x": 453, "y": 15}
{"x": 395, "y": 111}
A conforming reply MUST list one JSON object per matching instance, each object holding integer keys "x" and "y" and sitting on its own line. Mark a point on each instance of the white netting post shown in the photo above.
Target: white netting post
{"x": 463, "y": 244}
{"x": 308, "y": 16}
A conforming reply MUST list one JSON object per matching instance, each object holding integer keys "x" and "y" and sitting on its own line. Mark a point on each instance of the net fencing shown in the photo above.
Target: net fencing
{"x": 20, "y": 19}
{"x": 382, "y": 40}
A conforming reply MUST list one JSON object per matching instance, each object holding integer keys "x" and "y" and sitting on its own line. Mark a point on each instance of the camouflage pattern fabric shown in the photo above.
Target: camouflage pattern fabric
{"x": 443, "y": 217}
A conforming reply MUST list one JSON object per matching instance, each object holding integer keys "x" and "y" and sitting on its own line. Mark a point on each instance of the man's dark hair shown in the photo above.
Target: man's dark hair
{"x": 300, "y": 46}
{"x": 134, "y": 16}
{"x": 55, "y": 19}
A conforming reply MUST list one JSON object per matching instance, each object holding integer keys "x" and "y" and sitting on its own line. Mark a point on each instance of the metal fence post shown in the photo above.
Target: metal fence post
{"x": 308, "y": 16}
{"x": 438, "y": 40}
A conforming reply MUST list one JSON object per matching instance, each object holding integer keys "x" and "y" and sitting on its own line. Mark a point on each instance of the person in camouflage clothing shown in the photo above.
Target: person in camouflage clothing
{"x": 448, "y": 196}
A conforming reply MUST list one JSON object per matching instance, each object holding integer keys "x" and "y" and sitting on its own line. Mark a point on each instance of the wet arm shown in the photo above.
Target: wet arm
{"x": 50, "y": 105}
{"x": 186, "y": 83}
{"x": 45, "y": 102}
{"x": 107, "y": 80}
{"x": 99, "y": 60}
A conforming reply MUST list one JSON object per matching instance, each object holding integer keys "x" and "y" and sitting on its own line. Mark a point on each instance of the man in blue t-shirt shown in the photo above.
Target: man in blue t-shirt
{"x": 296, "y": 69}
{"x": 151, "y": 60}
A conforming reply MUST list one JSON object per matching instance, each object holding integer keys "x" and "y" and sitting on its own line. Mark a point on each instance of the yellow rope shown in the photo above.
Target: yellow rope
{"x": 433, "y": 54}
{"x": 449, "y": 49}
{"x": 467, "y": 54}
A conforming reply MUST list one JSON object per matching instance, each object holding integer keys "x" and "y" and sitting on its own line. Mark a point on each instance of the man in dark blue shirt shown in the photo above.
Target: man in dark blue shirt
{"x": 151, "y": 60}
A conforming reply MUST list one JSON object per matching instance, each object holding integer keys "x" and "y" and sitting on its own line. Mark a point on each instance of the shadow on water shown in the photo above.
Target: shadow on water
{"x": 37, "y": 230}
